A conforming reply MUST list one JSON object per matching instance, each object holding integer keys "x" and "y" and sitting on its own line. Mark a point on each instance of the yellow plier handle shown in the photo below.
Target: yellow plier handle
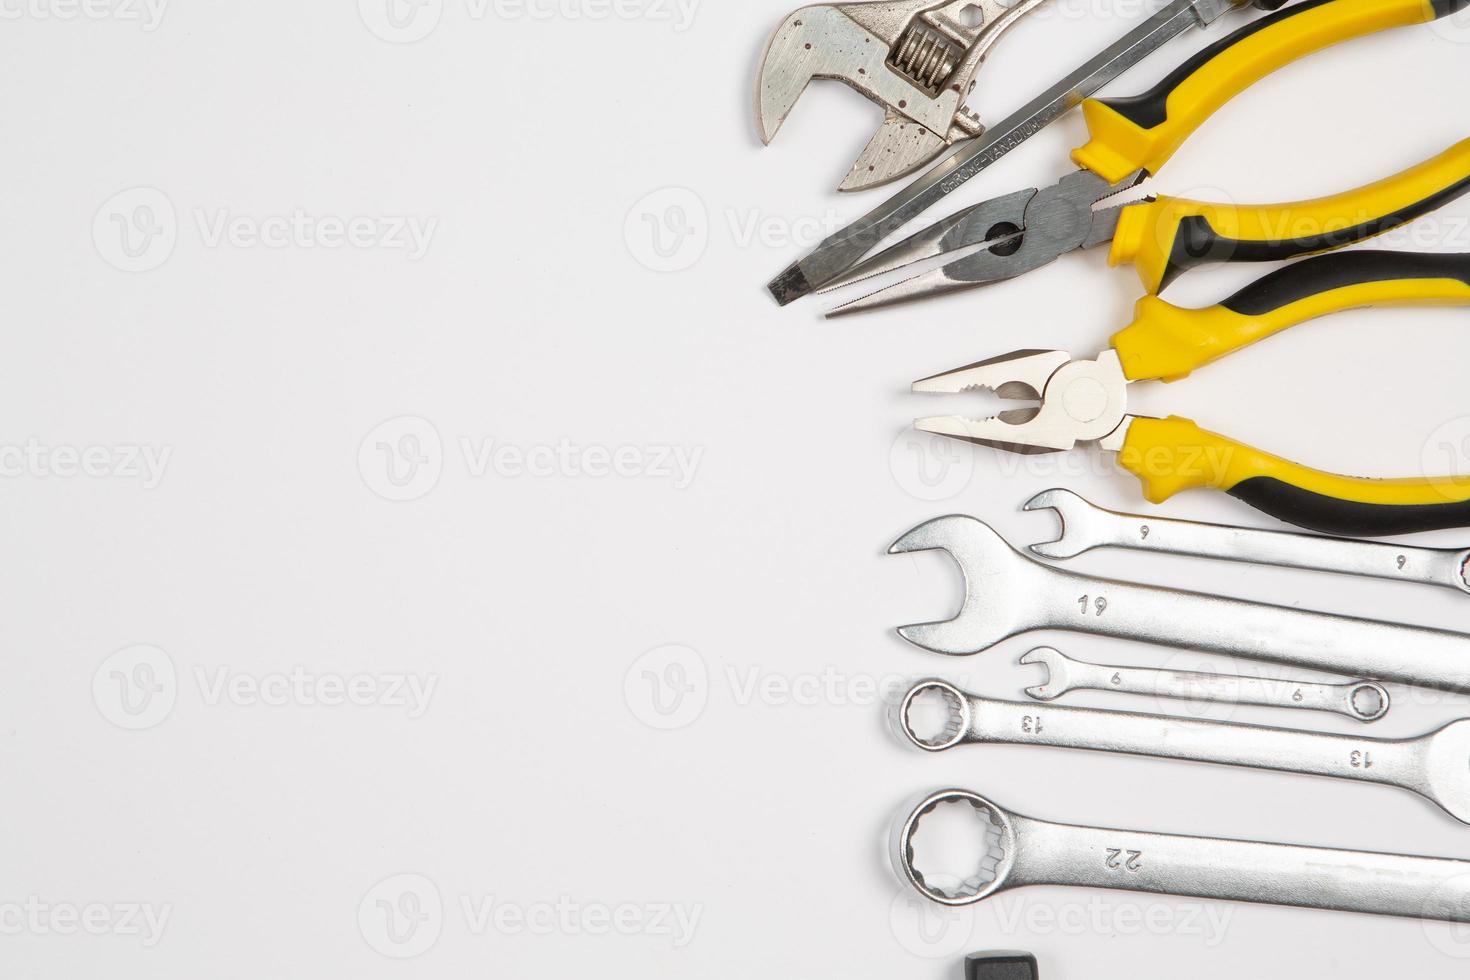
{"x": 1167, "y": 342}
{"x": 1166, "y": 237}
{"x": 1143, "y": 132}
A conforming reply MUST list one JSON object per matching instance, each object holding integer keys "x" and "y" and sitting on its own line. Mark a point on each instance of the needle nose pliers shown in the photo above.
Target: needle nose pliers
{"x": 1085, "y": 401}
{"x": 1131, "y": 139}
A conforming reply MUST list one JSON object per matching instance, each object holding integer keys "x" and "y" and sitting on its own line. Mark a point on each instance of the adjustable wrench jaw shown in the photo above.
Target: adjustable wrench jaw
{"x": 1080, "y": 401}
{"x": 917, "y": 59}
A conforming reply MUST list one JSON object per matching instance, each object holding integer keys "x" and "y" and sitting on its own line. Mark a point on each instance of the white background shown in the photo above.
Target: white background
{"x": 288, "y": 391}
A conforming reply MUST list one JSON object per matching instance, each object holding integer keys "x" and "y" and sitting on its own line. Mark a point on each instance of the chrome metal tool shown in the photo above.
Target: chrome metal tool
{"x": 844, "y": 249}
{"x": 1008, "y": 594}
{"x": 1361, "y": 700}
{"x": 1436, "y": 766}
{"x": 916, "y": 58}
{"x": 1020, "y": 851}
{"x": 1086, "y": 526}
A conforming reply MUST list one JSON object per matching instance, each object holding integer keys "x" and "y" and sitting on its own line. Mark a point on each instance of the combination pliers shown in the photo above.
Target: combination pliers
{"x": 1085, "y": 401}
{"x": 1131, "y": 139}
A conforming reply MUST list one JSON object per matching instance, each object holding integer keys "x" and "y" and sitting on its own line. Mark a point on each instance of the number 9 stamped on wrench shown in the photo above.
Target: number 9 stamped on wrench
{"x": 1086, "y": 526}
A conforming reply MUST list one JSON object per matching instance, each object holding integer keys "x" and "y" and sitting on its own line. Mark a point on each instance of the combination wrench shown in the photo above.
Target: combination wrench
{"x": 1008, "y": 594}
{"x": 1361, "y": 700}
{"x": 1024, "y": 851}
{"x": 1085, "y": 526}
{"x": 1436, "y": 766}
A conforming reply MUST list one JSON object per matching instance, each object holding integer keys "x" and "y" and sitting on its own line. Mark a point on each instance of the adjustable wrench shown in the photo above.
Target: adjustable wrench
{"x": 1360, "y": 700}
{"x": 1436, "y": 765}
{"x": 1008, "y": 594}
{"x": 1086, "y": 526}
{"x": 1024, "y": 851}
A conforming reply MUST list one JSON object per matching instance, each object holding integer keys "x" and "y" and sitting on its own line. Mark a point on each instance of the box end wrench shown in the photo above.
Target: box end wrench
{"x": 1008, "y": 594}
{"x": 1436, "y": 766}
{"x": 1086, "y": 526}
{"x": 1025, "y": 851}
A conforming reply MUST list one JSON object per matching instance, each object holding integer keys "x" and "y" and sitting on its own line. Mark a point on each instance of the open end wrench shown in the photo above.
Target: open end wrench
{"x": 1085, "y": 526}
{"x": 1436, "y": 765}
{"x": 1360, "y": 700}
{"x": 1008, "y": 594}
{"x": 1024, "y": 851}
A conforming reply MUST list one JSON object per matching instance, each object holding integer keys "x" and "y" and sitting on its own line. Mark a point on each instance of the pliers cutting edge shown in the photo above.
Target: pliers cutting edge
{"x": 1133, "y": 138}
{"x": 1085, "y": 401}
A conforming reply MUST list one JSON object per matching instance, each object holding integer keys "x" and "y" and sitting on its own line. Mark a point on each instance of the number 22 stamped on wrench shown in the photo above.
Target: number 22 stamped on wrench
{"x": 1008, "y": 594}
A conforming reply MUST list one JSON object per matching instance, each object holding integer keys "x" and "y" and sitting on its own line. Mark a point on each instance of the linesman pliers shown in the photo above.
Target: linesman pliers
{"x": 1131, "y": 139}
{"x": 1085, "y": 401}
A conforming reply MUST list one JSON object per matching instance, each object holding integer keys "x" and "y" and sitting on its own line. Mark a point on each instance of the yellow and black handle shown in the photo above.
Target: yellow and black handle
{"x": 1143, "y": 132}
{"x": 1166, "y": 237}
{"x": 1168, "y": 342}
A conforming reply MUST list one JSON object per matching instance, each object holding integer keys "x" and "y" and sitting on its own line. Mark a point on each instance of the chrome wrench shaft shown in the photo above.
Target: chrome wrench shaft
{"x": 1436, "y": 766}
{"x": 1360, "y": 700}
{"x": 1025, "y": 851}
{"x": 1086, "y": 526}
{"x": 1008, "y": 594}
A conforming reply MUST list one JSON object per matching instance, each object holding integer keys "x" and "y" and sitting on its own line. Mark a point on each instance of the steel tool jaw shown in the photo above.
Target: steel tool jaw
{"x": 1080, "y": 401}
{"x": 1057, "y": 219}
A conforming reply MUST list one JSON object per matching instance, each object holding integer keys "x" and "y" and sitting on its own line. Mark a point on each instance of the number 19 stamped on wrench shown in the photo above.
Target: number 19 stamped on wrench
{"x": 1008, "y": 594}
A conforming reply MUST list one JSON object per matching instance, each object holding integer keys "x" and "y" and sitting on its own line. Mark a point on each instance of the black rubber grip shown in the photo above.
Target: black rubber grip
{"x": 1328, "y": 515}
{"x": 1152, "y": 107}
{"x": 1325, "y": 273}
{"x": 1443, "y": 8}
{"x": 1197, "y": 243}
